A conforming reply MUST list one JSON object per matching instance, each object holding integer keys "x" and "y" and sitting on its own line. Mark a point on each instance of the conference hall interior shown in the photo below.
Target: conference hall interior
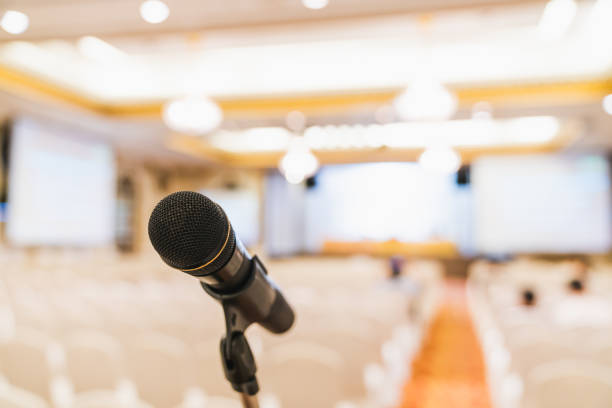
{"x": 427, "y": 183}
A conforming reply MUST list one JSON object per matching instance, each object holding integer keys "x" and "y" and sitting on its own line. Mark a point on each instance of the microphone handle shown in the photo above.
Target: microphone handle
{"x": 258, "y": 300}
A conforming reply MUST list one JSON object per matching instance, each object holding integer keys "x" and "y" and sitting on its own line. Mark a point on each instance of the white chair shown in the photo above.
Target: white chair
{"x": 13, "y": 397}
{"x": 162, "y": 368}
{"x": 107, "y": 399}
{"x": 381, "y": 390}
{"x": 356, "y": 348}
{"x": 304, "y": 375}
{"x": 205, "y": 401}
{"x": 526, "y": 356}
{"x": 604, "y": 355}
{"x": 30, "y": 360}
{"x": 569, "y": 384}
{"x": 222, "y": 402}
{"x": 209, "y": 369}
{"x": 94, "y": 360}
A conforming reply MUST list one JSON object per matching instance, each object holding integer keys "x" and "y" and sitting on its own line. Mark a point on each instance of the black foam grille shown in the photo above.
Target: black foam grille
{"x": 188, "y": 229}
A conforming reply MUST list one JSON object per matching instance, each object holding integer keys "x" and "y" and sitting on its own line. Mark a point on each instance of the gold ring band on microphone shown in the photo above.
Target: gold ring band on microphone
{"x": 229, "y": 228}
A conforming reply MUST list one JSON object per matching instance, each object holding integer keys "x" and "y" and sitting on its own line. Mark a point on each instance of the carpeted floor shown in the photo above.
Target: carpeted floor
{"x": 449, "y": 371}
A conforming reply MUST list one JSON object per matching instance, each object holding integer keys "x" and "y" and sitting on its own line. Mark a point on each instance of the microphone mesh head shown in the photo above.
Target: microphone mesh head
{"x": 188, "y": 229}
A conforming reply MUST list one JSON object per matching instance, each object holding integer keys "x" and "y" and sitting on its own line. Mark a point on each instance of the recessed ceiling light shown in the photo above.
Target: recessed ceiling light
{"x": 14, "y": 22}
{"x": 426, "y": 99}
{"x": 154, "y": 11}
{"x": 298, "y": 163}
{"x": 440, "y": 160}
{"x": 194, "y": 115}
{"x": 315, "y": 4}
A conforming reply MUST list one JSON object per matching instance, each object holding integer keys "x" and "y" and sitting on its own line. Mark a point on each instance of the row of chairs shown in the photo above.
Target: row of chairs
{"x": 554, "y": 353}
{"x": 154, "y": 338}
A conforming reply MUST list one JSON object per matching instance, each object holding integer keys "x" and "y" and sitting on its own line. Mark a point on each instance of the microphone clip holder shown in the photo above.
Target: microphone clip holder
{"x": 236, "y": 355}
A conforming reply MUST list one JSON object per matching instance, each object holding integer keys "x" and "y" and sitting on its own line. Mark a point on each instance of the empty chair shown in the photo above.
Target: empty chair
{"x": 304, "y": 375}
{"x": 162, "y": 368}
{"x": 93, "y": 360}
{"x": 30, "y": 360}
{"x": 191, "y": 332}
{"x": 569, "y": 384}
{"x": 222, "y": 402}
{"x": 216, "y": 402}
{"x": 210, "y": 370}
{"x": 604, "y": 355}
{"x": 528, "y": 355}
{"x": 13, "y": 397}
{"x": 107, "y": 399}
{"x": 355, "y": 347}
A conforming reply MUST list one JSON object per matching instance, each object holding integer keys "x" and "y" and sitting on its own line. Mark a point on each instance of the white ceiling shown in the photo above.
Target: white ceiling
{"x": 253, "y": 48}
{"x": 72, "y": 18}
{"x": 462, "y": 47}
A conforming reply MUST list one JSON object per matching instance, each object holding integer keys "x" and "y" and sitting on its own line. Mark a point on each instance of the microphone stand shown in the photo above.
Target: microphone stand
{"x": 236, "y": 356}
{"x": 249, "y": 401}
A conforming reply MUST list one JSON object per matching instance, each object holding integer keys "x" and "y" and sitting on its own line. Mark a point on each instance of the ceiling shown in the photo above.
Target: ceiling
{"x": 261, "y": 58}
{"x": 463, "y": 48}
{"x": 73, "y": 18}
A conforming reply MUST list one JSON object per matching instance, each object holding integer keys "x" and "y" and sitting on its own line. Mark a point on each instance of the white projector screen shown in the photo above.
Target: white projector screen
{"x": 542, "y": 204}
{"x": 61, "y": 188}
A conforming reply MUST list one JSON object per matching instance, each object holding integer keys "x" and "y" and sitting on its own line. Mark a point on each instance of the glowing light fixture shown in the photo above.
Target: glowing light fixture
{"x": 557, "y": 18}
{"x": 154, "y": 11}
{"x": 299, "y": 162}
{"x": 14, "y": 22}
{"x": 440, "y": 160}
{"x": 426, "y": 99}
{"x": 483, "y": 133}
{"x": 196, "y": 115}
{"x": 607, "y": 104}
{"x": 315, "y": 4}
{"x": 98, "y": 50}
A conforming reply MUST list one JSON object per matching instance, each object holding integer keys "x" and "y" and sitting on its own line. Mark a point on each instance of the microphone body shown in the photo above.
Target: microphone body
{"x": 192, "y": 233}
{"x": 249, "y": 289}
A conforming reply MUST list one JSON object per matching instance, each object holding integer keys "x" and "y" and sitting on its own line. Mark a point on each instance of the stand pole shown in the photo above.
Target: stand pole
{"x": 249, "y": 401}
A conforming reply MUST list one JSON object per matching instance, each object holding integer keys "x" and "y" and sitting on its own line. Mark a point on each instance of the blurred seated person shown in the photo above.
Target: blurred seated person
{"x": 588, "y": 309}
{"x": 525, "y": 311}
{"x": 528, "y": 298}
{"x": 395, "y": 267}
{"x": 576, "y": 286}
{"x": 578, "y": 283}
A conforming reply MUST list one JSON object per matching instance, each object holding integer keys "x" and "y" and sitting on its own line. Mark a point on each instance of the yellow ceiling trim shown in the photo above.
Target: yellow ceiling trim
{"x": 21, "y": 83}
{"x": 27, "y": 85}
{"x": 552, "y": 94}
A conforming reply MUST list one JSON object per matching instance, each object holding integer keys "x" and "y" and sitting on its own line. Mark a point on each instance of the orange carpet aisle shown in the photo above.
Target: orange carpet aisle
{"x": 449, "y": 371}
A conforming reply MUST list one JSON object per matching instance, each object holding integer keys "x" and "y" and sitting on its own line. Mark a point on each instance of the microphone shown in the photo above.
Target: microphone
{"x": 191, "y": 233}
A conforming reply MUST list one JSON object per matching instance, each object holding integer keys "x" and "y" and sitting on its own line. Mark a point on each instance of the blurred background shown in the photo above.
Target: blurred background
{"x": 429, "y": 182}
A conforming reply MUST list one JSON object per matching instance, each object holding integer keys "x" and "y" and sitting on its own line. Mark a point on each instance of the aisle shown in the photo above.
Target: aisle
{"x": 449, "y": 370}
